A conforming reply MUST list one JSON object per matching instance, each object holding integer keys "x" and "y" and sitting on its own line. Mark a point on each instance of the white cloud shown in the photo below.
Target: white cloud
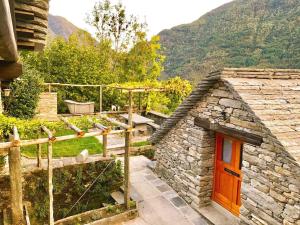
{"x": 159, "y": 14}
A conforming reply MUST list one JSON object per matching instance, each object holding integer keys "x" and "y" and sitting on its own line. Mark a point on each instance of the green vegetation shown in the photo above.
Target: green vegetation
{"x": 120, "y": 55}
{"x": 69, "y": 184}
{"x": 30, "y": 129}
{"x": 140, "y": 143}
{"x": 23, "y": 99}
{"x": 256, "y": 33}
{"x": 66, "y": 148}
{"x": 27, "y": 128}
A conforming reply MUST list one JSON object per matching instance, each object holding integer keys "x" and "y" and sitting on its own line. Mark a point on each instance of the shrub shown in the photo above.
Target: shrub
{"x": 24, "y": 97}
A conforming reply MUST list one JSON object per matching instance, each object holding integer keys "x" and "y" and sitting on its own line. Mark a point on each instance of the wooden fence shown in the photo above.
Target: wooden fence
{"x": 14, "y": 151}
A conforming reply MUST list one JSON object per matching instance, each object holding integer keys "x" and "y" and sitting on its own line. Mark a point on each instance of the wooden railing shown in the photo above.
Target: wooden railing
{"x": 15, "y": 171}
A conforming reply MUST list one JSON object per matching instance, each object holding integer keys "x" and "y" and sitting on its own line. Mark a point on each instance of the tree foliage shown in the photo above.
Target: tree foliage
{"x": 24, "y": 96}
{"x": 122, "y": 54}
{"x": 112, "y": 23}
{"x": 80, "y": 61}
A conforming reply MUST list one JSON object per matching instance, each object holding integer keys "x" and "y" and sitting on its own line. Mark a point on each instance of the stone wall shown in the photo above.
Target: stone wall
{"x": 185, "y": 159}
{"x": 47, "y": 106}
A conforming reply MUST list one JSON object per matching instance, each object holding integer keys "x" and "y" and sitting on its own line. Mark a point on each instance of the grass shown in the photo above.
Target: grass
{"x": 66, "y": 148}
{"x": 140, "y": 143}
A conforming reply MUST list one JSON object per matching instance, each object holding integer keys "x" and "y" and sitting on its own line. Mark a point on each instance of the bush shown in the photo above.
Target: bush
{"x": 24, "y": 96}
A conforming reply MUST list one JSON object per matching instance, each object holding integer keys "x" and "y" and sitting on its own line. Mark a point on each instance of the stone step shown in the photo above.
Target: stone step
{"x": 118, "y": 196}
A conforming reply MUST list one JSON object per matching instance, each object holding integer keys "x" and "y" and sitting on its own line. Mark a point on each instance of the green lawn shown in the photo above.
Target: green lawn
{"x": 66, "y": 148}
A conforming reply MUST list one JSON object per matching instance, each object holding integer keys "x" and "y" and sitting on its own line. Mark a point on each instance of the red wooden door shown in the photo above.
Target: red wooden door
{"x": 227, "y": 175}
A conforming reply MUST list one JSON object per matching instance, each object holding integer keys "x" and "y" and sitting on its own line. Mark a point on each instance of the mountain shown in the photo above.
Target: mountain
{"x": 59, "y": 26}
{"x": 242, "y": 33}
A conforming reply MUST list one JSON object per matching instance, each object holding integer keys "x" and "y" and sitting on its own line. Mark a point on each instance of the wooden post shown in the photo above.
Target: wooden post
{"x": 130, "y": 109}
{"x": 49, "y": 88}
{"x": 127, "y": 154}
{"x": 126, "y": 168}
{"x": 50, "y": 184}
{"x": 39, "y": 153}
{"x": 15, "y": 172}
{"x": 1, "y": 106}
{"x": 100, "y": 98}
{"x": 140, "y": 102}
{"x": 104, "y": 142}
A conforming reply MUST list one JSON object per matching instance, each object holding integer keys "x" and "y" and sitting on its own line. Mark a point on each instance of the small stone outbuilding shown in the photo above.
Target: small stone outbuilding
{"x": 236, "y": 141}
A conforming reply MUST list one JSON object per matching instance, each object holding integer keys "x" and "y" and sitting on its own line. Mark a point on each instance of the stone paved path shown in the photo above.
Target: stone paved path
{"x": 158, "y": 203}
{"x": 117, "y": 140}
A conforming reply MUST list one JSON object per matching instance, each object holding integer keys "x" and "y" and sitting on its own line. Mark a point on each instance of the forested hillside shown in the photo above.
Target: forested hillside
{"x": 242, "y": 33}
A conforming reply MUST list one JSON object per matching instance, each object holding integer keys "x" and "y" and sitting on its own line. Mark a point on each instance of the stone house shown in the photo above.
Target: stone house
{"x": 236, "y": 141}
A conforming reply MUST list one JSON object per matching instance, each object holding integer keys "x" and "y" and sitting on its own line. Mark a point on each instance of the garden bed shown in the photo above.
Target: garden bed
{"x": 109, "y": 215}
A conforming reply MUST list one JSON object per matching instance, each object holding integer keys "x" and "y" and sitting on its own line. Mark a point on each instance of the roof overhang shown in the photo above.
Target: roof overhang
{"x": 244, "y": 136}
{"x": 8, "y": 44}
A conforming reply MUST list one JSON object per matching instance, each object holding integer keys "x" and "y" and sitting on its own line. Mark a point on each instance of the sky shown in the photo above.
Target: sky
{"x": 159, "y": 14}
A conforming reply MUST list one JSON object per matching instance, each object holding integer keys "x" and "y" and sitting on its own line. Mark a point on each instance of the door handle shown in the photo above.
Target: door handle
{"x": 231, "y": 172}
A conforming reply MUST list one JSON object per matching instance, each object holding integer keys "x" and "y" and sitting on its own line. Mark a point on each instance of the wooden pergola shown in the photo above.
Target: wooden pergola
{"x": 102, "y": 86}
{"x": 13, "y": 147}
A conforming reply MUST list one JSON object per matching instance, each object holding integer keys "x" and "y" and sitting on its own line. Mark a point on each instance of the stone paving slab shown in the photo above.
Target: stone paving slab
{"x": 158, "y": 203}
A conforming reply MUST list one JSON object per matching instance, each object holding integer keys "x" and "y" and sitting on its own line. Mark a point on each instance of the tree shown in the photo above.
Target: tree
{"x": 143, "y": 61}
{"x": 77, "y": 60}
{"x": 25, "y": 94}
{"x": 112, "y": 23}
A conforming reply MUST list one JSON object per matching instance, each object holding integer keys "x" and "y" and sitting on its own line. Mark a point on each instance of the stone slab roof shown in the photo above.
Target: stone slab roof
{"x": 272, "y": 94}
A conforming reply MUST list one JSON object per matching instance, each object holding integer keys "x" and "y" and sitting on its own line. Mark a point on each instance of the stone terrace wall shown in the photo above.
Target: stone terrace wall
{"x": 270, "y": 187}
{"x": 47, "y": 106}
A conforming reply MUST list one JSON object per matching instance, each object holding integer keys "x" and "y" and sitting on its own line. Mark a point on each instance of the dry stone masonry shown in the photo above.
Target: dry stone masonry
{"x": 251, "y": 102}
{"x": 47, "y": 106}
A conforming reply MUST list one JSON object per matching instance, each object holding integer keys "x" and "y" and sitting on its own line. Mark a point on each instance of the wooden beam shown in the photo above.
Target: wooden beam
{"x": 15, "y": 173}
{"x": 24, "y": 15}
{"x": 238, "y": 134}
{"x": 114, "y": 121}
{"x": 75, "y": 85}
{"x": 5, "y": 145}
{"x": 49, "y": 133}
{"x": 8, "y": 46}
{"x": 10, "y": 70}
{"x": 79, "y": 132}
{"x": 25, "y": 32}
